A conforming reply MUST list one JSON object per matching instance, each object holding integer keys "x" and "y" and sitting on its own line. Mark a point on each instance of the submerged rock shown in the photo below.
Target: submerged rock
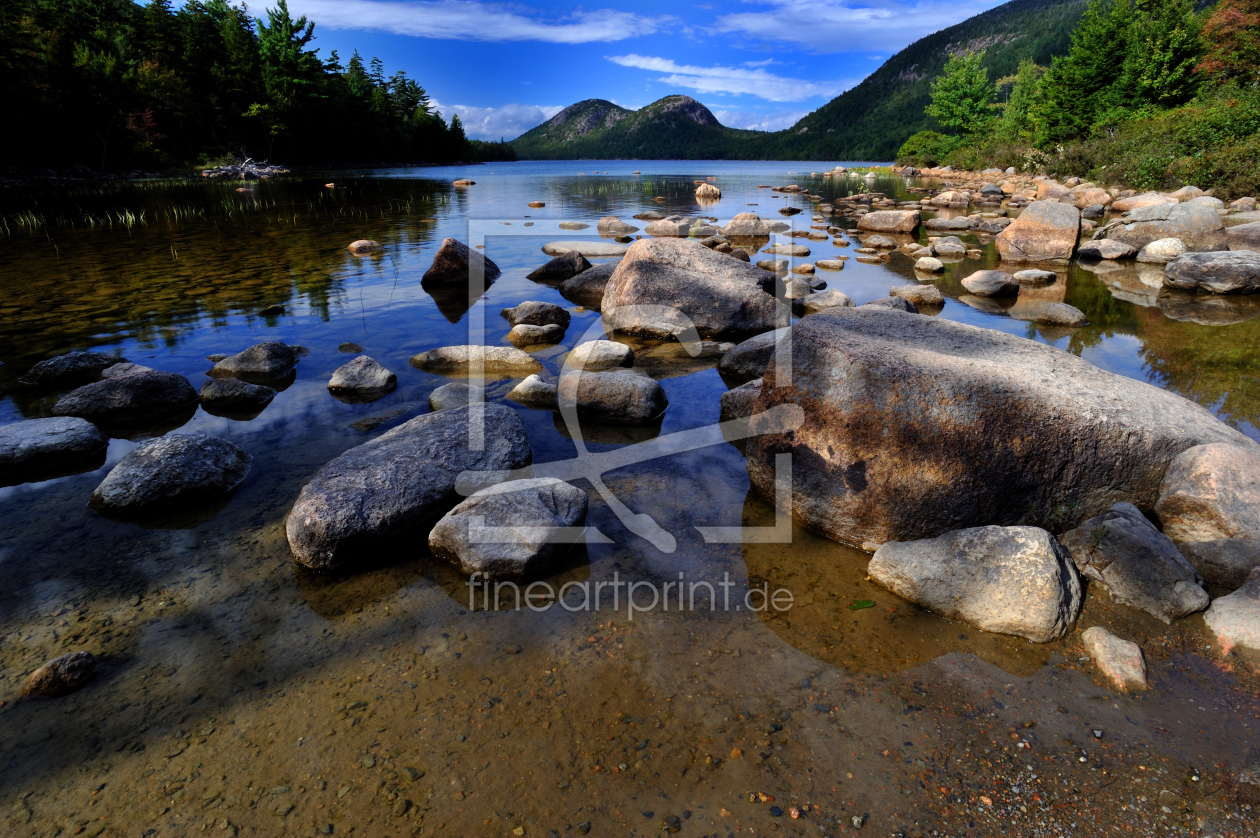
{"x": 36, "y": 449}
{"x": 455, "y": 263}
{"x": 533, "y": 313}
{"x": 232, "y": 397}
{"x": 614, "y": 398}
{"x": 259, "y": 364}
{"x": 362, "y": 376}
{"x": 363, "y": 246}
{"x": 130, "y": 400}
{"x": 170, "y": 472}
{"x": 1136, "y": 563}
{"x": 1119, "y": 660}
{"x": 495, "y": 360}
{"x": 1219, "y": 273}
{"x": 69, "y": 369}
{"x": 398, "y": 484}
{"x": 455, "y": 394}
{"x": 664, "y": 285}
{"x": 1235, "y": 619}
{"x": 1012, "y": 580}
{"x": 560, "y": 268}
{"x": 512, "y": 530}
{"x": 915, "y": 426}
{"x": 1211, "y": 492}
{"x": 61, "y": 676}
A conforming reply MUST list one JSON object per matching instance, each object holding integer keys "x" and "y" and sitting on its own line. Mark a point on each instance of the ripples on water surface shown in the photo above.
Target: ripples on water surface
{"x": 237, "y": 694}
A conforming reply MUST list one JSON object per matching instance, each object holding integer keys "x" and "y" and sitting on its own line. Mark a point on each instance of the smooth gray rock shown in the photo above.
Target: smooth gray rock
{"x": 929, "y": 264}
{"x": 1161, "y": 251}
{"x": 950, "y": 246}
{"x": 1034, "y": 277}
{"x": 671, "y": 226}
{"x": 69, "y": 369}
{"x": 534, "y": 313}
{"x": 1119, "y": 660}
{"x": 1011, "y": 580}
{"x": 895, "y": 303}
{"x": 1060, "y": 314}
{"x": 533, "y": 392}
{"x": 587, "y": 288}
{"x": 259, "y": 364}
{"x": 455, "y": 394}
{"x": 915, "y": 426}
{"x": 928, "y": 296}
{"x": 130, "y": 399}
{"x": 1136, "y": 563}
{"x": 661, "y": 279}
{"x": 1211, "y": 492}
{"x": 991, "y": 284}
{"x": 748, "y": 359}
{"x": 362, "y": 375}
{"x": 171, "y": 472}
{"x": 456, "y": 264}
{"x": 36, "y": 449}
{"x": 1233, "y": 272}
{"x": 612, "y": 225}
{"x": 1224, "y": 562}
{"x": 561, "y": 268}
{"x": 1198, "y": 226}
{"x": 510, "y": 531}
{"x": 1244, "y": 236}
{"x": 747, "y": 224}
{"x": 459, "y": 360}
{"x": 599, "y": 355}
{"x": 613, "y": 398}
{"x": 233, "y": 397}
{"x": 1235, "y": 619}
{"x": 786, "y": 250}
{"x": 399, "y": 484}
{"x": 590, "y": 249}
{"x": 1106, "y": 249}
{"x": 61, "y": 676}
{"x": 528, "y": 335}
{"x": 890, "y": 221}
{"x": 736, "y": 406}
{"x": 824, "y": 300}
{"x": 124, "y": 368}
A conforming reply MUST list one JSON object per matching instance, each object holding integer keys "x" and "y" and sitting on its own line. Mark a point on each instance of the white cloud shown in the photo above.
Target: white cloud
{"x": 756, "y": 121}
{"x": 505, "y": 121}
{"x": 849, "y": 25}
{"x": 736, "y": 80}
{"x": 469, "y": 20}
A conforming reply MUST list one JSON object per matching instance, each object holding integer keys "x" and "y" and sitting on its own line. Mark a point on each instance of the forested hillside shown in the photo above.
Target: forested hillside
{"x": 111, "y": 84}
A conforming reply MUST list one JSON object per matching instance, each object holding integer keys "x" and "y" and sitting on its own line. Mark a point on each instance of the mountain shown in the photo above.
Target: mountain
{"x": 868, "y": 122}
{"x": 673, "y": 128}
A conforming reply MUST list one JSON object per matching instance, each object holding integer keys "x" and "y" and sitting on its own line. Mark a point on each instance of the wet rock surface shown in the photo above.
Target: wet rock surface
{"x": 1235, "y": 619}
{"x": 748, "y": 359}
{"x": 1224, "y": 562}
{"x": 1217, "y": 273}
{"x": 1013, "y": 580}
{"x": 1120, "y": 661}
{"x": 260, "y": 364}
{"x": 362, "y": 377}
{"x": 232, "y": 397}
{"x": 1211, "y": 492}
{"x": 61, "y": 676}
{"x": 533, "y": 313}
{"x": 615, "y": 398}
{"x": 1138, "y": 565}
{"x": 455, "y": 263}
{"x": 511, "y": 531}
{"x": 399, "y": 483}
{"x": 130, "y": 400}
{"x": 916, "y": 426}
{"x": 494, "y": 360}
{"x": 172, "y": 472}
{"x": 38, "y": 448}
{"x": 69, "y": 369}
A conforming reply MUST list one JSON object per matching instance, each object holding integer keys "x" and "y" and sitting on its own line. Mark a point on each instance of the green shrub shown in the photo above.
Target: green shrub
{"x": 927, "y": 148}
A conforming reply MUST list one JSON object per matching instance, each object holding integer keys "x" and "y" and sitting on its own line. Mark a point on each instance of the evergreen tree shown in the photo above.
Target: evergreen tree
{"x": 962, "y": 97}
{"x": 1077, "y": 86}
{"x": 1164, "y": 49}
{"x": 1018, "y": 120}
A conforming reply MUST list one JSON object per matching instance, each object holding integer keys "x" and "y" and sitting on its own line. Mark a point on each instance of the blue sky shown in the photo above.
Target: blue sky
{"x": 505, "y": 67}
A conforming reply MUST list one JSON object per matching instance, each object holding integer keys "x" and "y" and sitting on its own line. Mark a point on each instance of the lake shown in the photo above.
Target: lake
{"x": 240, "y": 695}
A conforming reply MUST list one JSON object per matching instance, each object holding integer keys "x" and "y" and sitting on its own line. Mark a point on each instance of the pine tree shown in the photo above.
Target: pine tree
{"x": 1076, "y": 87}
{"x": 1018, "y": 121}
{"x": 1164, "y": 49}
{"x": 962, "y": 97}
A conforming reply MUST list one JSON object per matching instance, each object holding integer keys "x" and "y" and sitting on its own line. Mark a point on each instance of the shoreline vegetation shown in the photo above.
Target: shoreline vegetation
{"x": 108, "y": 86}
{"x": 1152, "y": 94}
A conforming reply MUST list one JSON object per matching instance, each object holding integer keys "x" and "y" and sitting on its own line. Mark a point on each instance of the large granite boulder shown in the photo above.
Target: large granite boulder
{"x": 70, "y": 369}
{"x": 513, "y": 530}
{"x": 1046, "y": 231}
{"x": 1235, "y": 620}
{"x": 130, "y": 400}
{"x": 170, "y": 473}
{"x": 890, "y": 221}
{"x": 1198, "y": 226}
{"x": 748, "y": 359}
{"x": 399, "y": 484}
{"x": 1136, "y": 563}
{"x": 587, "y": 288}
{"x": 37, "y": 449}
{"x": 233, "y": 398}
{"x": 260, "y": 364}
{"x": 915, "y": 426}
{"x": 1218, "y": 273}
{"x": 664, "y": 285}
{"x": 1011, "y": 580}
{"x": 613, "y": 398}
{"x": 1211, "y": 492}
{"x": 455, "y": 263}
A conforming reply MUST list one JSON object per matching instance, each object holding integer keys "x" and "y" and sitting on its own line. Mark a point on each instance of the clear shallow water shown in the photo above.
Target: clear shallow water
{"x": 509, "y": 714}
